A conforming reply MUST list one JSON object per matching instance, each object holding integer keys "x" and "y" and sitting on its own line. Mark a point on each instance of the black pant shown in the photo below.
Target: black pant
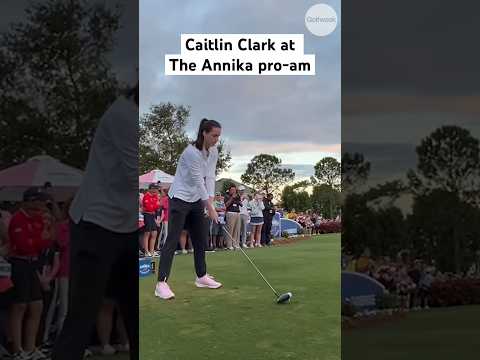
{"x": 97, "y": 256}
{"x": 267, "y": 230}
{"x": 190, "y": 216}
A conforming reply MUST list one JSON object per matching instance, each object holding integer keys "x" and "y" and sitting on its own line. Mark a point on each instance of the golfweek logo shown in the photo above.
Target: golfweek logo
{"x": 237, "y": 54}
{"x": 321, "y": 19}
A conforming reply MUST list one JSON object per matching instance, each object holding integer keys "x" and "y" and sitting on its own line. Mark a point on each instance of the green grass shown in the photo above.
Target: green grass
{"x": 241, "y": 320}
{"x": 440, "y": 334}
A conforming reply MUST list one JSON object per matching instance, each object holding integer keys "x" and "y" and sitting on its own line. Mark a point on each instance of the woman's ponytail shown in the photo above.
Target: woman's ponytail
{"x": 205, "y": 125}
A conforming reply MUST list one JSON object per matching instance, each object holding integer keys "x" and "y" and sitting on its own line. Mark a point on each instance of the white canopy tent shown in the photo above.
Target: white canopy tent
{"x": 37, "y": 171}
{"x": 154, "y": 176}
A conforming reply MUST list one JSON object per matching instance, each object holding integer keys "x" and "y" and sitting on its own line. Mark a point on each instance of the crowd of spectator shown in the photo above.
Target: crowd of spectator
{"x": 245, "y": 220}
{"x": 416, "y": 283}
{"x": 313, "y": 223}
{"x": 34, "y": 261}
{"x": 34, "y": 281}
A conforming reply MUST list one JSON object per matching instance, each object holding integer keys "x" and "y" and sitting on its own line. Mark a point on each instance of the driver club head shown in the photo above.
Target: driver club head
{"x": 284, "y": 298}
{"x": 281, "y": 299}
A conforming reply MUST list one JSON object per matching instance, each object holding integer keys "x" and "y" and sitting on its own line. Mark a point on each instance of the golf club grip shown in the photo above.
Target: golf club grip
{"x": 253, "y": 264}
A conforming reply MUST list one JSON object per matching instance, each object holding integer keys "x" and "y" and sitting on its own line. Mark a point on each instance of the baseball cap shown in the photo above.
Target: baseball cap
{"x": 33, "y": 194}
{"x": 152, "y": 186}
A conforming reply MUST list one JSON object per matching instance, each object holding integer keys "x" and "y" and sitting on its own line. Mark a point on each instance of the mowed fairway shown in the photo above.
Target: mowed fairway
{"x": 439, "y": 334}
{"x": 241, "y": 320}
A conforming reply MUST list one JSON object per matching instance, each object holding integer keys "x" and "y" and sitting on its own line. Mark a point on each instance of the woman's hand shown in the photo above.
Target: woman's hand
{"x": 212, "y": 213}
{"x": 45, "y": 278}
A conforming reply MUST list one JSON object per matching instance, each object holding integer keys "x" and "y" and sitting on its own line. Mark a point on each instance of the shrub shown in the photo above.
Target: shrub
{"x": 455, "y": 292}
{"x": 330, "y": 226}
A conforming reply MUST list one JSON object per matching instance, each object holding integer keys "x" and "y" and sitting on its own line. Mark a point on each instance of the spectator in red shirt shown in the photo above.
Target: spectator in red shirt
{"x": 55, "y": 301}
{"x": 49, "y": 265}
{"x": 30, "y": 232}
{"x": 151, "y": 205}
{"x": 63, "y": 239}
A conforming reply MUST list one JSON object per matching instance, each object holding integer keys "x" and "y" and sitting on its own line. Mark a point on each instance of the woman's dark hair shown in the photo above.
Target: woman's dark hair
{"x": 207, "y": 126}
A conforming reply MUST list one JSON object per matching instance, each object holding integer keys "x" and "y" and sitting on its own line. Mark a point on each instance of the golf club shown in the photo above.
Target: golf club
{"x": 281, "y": 298}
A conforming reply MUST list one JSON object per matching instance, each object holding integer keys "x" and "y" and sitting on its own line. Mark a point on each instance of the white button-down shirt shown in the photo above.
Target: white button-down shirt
{"x": 108, "y": 195}
{"x": 195, "y": 175}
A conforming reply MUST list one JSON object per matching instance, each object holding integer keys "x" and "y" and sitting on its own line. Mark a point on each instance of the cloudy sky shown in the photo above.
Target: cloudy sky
{"x": 124, "y": 57}
{"x": 408, "y": 70}
{"x": 294, "y": 117}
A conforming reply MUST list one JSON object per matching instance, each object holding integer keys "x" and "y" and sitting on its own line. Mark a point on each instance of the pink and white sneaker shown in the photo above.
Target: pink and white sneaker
{"x": 163, "y": 291}
{"x": 207, "y": 282}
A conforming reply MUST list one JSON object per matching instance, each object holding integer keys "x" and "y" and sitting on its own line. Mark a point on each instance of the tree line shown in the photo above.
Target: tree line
{"x": 51, "y": 95}
{"x": 163, "y": 137}
{"x": 442, "y": 225}
{"x": 54, "y": 68}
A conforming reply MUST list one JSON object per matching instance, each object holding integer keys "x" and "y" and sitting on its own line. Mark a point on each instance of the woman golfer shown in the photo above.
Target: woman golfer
{"x": 191, "y": 192}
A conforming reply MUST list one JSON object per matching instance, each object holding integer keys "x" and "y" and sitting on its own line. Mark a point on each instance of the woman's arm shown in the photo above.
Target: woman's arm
{"x": 196, "y": 172}
{"x": 206, "y": 196}
{"x": 229, "y": 201}
{"x": 211, "y": 173}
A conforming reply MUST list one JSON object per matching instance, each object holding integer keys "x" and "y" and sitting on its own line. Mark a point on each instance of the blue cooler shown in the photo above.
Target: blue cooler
{"x": 144, "y": 266}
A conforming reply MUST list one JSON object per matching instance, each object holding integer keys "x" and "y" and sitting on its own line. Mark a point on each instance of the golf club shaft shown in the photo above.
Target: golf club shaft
{"x": 253, "y": 264}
